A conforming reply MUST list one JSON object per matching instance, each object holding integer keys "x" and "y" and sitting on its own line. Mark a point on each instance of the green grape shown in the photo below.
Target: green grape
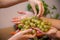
{"x": 35, "y": 21}
{"x": 34, "y": 17}
{"x": 49, "y": 23}
{"x": 22, "y": 21}
{"x": 40, "y": 27}
{"x": 32, "y": 20}
{"x": 33, "y": 31}
{"x": 34, "y": 25}
{"x": 19, "y": 26}
{"x": 45, "y": 26}
{"x": 26, "y": 26}
{"x": 26, "y": 23}
{"x": 22, "y": 29}
{"x": 38, "y": 22}
{"x": 42, "y": 23}
{"x": 48, "y": 26}
{"x": 45, "y": 30}
{"x": 31, "y": 24}
{"x": 25, "y": 19}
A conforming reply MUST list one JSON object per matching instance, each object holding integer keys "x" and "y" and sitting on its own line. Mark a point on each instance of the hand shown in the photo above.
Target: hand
{"x": 22, "y": 35}
{"x": 53, "y": 32}
{"x": 25, "y": 14}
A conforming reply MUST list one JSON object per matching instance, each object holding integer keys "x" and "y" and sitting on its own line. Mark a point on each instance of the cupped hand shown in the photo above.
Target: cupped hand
{"x": 22, "y": 35}
{"x": 53, "y": 32}
{"x": 25, "y": 14}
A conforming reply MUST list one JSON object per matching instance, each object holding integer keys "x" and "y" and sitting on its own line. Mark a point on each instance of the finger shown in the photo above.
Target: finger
{"x": 21, "y": 12}
{"x": 32, "y": 3}
{"x": 37, "y": 29}
{"x": 24, "y": 16}
{"x": 12, "y": 33}
{"x": 17, "y": 31}
{"x": 16, "y": 20}
{"x": 26, "y": 31}
{"x": 29, "y": 36}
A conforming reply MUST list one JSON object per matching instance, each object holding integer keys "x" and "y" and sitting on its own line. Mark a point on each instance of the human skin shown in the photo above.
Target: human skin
{"x": 55, "y": 23}
{"x": 8, "y": 3}
{"x": 22, "y": 35}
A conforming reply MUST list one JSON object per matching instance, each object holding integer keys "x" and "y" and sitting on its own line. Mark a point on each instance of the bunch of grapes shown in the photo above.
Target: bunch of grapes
{"x": 34, "y": 22}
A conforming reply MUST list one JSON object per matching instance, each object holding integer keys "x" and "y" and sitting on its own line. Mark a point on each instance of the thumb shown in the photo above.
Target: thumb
{"x": 52, "y": 31}
{"x": 29, "y": 36}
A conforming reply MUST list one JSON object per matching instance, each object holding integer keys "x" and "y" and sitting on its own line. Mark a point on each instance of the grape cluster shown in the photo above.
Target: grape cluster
{"x": 34, "y": 22}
